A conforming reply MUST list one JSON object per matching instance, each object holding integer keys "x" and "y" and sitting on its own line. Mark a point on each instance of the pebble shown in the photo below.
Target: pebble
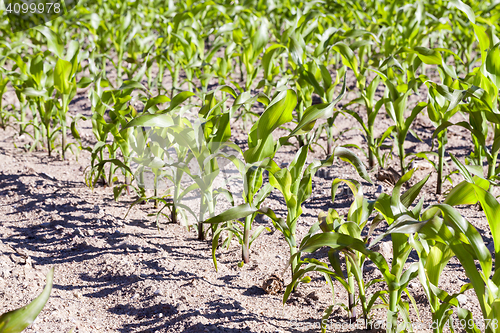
{"x": 413, "y": 285}
{"x": 386, "y": 250}
{"x": 159, "y": 292}
{"x": 462, "y": 299}
{"x": 160, "y": 315}
{"x": 313, "y": 296}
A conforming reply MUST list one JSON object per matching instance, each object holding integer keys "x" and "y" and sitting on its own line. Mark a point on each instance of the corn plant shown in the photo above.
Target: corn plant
{"x": 440, "y": 110}
{"x": 295, "y": 184}
{"x": 345, "y": 236}
{"x": 152, "y": 142}
{"x": 445, "y": 230}
{"x": 119, "y": 103}
{"x": 261, "y": 149}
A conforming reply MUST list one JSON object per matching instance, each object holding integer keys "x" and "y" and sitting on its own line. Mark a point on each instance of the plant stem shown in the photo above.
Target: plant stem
{"x": 245, "y": 255}
{"x": 494, "y": 156}
{"x": 392, "y": 313}
{"x": 371, "y": 145}
{"x": 64, "y": 110}
{"x": 442, "y": 142}
{"x": 351, "y": 296}
{"x": 401, "y": 151}
{"x": 293, "y": 250}
{"x": 201, "y": 229}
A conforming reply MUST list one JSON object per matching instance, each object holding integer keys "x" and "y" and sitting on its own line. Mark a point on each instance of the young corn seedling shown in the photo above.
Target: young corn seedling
{"x": 442, "y": 224}
{"x": 156, "y": 149}
{"x": 32, "y": 90}
{"x": 357, "y": 217}
{"x": 372, "y": 109}
{"x": 396, "y": 106}
{"x": 434, "y": 257}
{"x": 295, "y": 184}
{"x": 65, "y": 85}
{"x": 482, "y": 108}
{"x": 261, "y": 149}
{"x": 255, "y": 29}
{"x": 440, "y": 111}
{"x": 333, "y": 226}
{"x": 336, "y": 42}
{"x": 119, "y": 103}
{"x": 205, "y": 142}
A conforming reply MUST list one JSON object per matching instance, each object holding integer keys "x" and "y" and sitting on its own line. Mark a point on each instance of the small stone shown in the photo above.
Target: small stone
{"x": 273, "y": 285}
{"x": 159, "y": 292}
{"x": 313, "y": 296}
{"x": 386, "y": 250}
{"x": 136, "y": 296}
{"x": 5, "y": 273}
{"x": 77, "y": 294}
{"x": 462, "y": 299}
{"x": 160, "y": 315}
{"x": 279, "y": 256}
{"x": 413, "y": 285}
{"x": 90, "y": 233}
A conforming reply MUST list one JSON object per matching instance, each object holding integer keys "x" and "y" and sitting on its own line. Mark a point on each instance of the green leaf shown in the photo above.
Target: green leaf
{"x": 464, "y": 8}
{"x": 428, "y": 56}
{"x": 409, "y": 196}
{"x": 276, "y": 114}
{"x": 152, "y": 120}
{"x": 339, "y": 241}
{"x": 62, "y": 73}
{"x": 54, "y": 43}
{"x": 348, "y": 57}
{"x": 160, "y": 99}
{"x": 491, "y": 209}
{"x": 492, "y": 65}
{"x": 178, "y": 99}
{"x": 233, "y": 213}
{"x": 318, "y": 111}
{"x": 17, "y": 320}
{"x": 348, "y": 156}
